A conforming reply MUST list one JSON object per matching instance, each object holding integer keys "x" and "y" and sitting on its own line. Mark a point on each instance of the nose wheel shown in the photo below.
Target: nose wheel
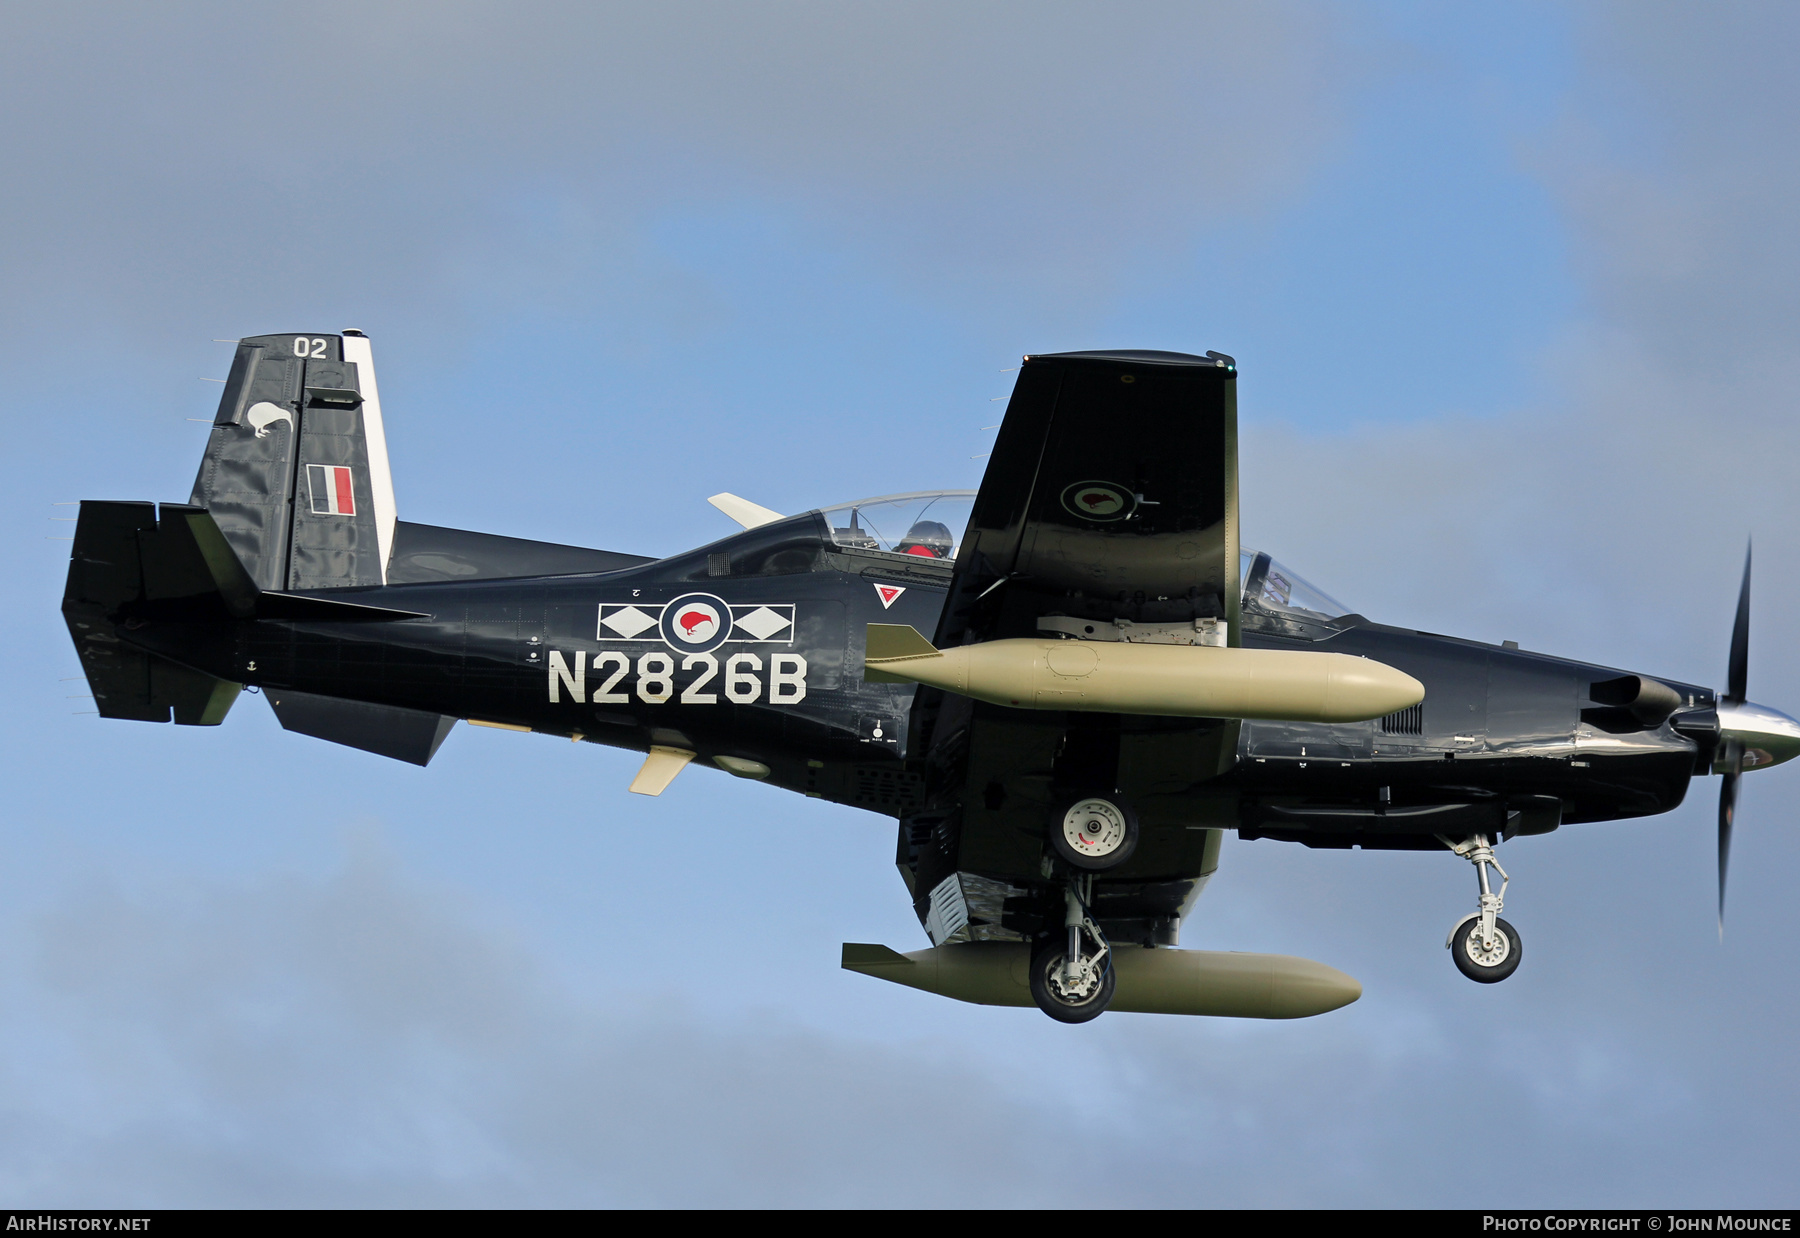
{"x": 1484, "y": 947}
{"x": 1071, "y": 972}
{"x": 1483, "y": 958}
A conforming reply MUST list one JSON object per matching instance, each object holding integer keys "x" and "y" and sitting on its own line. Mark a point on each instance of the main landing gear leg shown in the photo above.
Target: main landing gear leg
{"x": 1485, "y": 947}
{"x": 1070, "y": 982}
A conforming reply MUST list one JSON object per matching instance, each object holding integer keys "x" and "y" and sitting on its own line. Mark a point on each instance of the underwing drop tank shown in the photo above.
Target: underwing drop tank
{"x": 1149, "y": 981}
{"x": 1172, "y": 680}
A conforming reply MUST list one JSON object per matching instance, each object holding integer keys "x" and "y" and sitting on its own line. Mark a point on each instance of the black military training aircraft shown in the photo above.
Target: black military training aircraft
{"x": 1110, "y": 682}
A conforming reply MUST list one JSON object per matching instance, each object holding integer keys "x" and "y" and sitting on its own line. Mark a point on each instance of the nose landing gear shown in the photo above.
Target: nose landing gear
{"x": 1070, "y": 982}
{"x": 1484, "y": 947}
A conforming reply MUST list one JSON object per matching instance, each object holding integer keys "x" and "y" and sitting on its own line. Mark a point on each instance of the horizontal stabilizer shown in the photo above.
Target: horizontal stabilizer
{"x": 136, "y": 552}
{"x": 299, "y": 606}
{"x": 409, "y": 735}
{"x": 176, "y": 554}
{"x": 424, "y": 552}
{"x": 104, "y": 568}
{"x": 123, "y": 555}
{"x": 188, "y": 557}
{"x": 141, "y": 687}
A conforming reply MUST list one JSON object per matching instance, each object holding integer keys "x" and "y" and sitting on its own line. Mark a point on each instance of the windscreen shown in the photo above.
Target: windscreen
{"x": 1275, "y": 587}
{"x": 926, "y": 525}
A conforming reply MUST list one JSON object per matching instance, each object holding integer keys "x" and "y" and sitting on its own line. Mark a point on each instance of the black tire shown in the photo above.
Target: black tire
{"x": 1470, "y": 966}
{"x": 1046, "y": 958}
{"x": 1111, "y": 842}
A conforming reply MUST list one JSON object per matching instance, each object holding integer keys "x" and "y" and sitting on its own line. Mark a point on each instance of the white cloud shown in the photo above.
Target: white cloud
{"x": 227, "y": 157}
{"x": 360, "y": 1039}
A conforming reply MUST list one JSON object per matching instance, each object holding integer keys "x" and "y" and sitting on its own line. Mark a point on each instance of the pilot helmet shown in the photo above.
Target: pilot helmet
{"x": 928, "y": 539}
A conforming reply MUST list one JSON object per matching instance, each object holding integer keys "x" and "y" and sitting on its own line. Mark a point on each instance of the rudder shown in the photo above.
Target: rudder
{"x": 296, "y": 469}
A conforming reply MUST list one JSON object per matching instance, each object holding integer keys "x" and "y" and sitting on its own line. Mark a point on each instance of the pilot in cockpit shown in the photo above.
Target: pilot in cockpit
{"x": 927, "y": 539}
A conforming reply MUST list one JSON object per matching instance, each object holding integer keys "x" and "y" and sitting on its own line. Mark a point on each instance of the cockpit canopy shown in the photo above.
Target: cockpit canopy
{"x": 930, "y": 525}
{"x": 1276, "y": 590}
{"x": 927, "y": 524}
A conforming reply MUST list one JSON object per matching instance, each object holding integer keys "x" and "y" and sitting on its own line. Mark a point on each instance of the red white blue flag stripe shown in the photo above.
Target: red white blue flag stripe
{"x": 333, "y": 493}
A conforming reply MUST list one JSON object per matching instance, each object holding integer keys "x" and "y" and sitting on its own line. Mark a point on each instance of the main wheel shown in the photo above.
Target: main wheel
{"x": 1486, "y": 964}
{"x": 1069, "y": 1000}
{"x": 1095, "y": 832}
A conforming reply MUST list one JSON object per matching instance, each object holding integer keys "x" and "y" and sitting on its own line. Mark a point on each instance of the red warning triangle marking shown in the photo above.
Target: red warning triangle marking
{"x": 887, "y": 594}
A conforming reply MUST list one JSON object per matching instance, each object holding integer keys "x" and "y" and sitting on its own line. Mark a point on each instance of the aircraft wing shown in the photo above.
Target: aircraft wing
{"x": 1111, "y": 495}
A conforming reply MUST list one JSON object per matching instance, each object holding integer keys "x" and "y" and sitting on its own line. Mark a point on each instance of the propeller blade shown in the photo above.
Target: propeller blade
{"x": 1737, "y": 675}
{"x": 1728, "y": 791}
{"x": 1737, "y": 671}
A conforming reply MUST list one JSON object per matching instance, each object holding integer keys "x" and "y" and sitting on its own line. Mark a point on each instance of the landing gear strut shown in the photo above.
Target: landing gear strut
{"x": 1485, "y": 948}
{"x": 1071, "y": 972}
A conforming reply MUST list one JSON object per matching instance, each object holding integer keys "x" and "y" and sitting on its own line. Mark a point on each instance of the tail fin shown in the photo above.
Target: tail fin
{"x": 296, "y": 470}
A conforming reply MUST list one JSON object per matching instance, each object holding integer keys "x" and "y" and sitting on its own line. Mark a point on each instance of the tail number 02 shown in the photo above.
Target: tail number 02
{"x": 312, "y": 350}
{"x": 654, "y": 679}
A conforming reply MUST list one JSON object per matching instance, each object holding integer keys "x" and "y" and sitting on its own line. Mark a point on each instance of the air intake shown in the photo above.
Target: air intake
{"x": 1408, "y": 721}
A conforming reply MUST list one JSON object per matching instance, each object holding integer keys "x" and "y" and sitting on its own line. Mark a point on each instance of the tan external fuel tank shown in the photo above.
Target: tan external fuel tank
{"x": 1160, "y": 981}
{"x": 1116, "y": 677}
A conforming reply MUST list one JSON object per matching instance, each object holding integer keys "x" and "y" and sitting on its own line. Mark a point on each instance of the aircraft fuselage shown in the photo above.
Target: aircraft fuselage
{"x": 770, "y": 672}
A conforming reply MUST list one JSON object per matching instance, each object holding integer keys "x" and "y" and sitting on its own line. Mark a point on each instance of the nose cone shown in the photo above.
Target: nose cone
{"x": 1769, "y": 736}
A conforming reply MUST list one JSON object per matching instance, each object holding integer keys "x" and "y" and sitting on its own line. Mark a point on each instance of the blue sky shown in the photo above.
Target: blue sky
{"x": 1511, "y": 290}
